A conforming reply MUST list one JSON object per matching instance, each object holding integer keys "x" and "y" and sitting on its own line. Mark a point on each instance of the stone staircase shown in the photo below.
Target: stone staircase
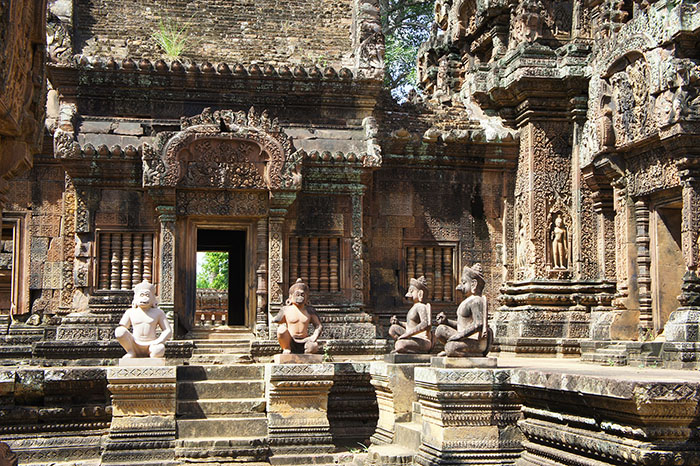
{"x": 407, "y": 440}
{"x": 221, "y": 414}
{"x": 608, "y": 355}
{"x": 16, "y": 340}
{"x": 623, "y": 353}
{"x": 220, "y": 345}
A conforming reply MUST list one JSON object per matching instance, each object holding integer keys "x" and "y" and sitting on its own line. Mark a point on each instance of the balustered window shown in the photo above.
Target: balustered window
{"x": 436, "y": 263}
{"x": 317, "y": 261}
{"x": 125, "y": 259}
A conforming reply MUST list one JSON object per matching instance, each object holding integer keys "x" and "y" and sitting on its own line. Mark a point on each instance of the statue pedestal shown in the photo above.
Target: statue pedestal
{"x": 469, "y": 416}
{"x": 297, "y": 358}
{"x": 297, "y": 410}
{"x": 143, "y": 415}
{"x": 394, "y": 386}
{"x": 446, "y": 362}
{"x": 141, "y": 362}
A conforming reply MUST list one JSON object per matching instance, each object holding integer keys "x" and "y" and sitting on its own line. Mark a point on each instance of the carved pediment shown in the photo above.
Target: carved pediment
{"x": 224, "y": 150}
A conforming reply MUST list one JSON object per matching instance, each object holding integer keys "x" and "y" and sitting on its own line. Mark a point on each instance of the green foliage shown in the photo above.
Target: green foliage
{"x": 172, "y": 36}
{"x": 406, "y": 25}
{"x": 214, "y": 271}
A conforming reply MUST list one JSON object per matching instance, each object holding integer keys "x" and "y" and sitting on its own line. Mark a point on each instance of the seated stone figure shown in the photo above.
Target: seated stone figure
{"x": 144, "y": 317}
{"x": 294, "y": 319}
{"x": 470, "y": 335}
{"x": 415, "y": 335}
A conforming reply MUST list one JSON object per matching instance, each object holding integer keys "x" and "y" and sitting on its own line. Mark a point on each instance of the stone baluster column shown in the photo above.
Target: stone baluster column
{"x": 166, "y": 250}
{"x": 261, "y": 327}
{"x": 646, "y": 320}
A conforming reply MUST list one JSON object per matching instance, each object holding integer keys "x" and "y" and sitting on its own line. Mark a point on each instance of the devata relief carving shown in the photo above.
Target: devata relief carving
{"x": 560, "y": 250}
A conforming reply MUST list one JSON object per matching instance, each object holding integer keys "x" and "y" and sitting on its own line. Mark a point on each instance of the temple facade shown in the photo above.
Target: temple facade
{"x": 554, "y": 142}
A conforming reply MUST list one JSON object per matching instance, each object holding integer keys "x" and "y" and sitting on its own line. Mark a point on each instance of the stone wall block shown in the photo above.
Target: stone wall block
{"x": 393, "y": 384}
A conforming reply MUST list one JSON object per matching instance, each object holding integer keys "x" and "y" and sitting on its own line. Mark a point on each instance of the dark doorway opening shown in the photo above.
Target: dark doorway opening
{"x": 232, "y": 243}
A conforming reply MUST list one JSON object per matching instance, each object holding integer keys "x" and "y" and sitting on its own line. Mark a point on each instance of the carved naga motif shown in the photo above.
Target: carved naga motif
{"x": 224, "y": 150}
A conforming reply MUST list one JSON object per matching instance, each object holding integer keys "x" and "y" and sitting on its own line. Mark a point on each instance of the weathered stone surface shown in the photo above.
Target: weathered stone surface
{"x": 394, "y": 387}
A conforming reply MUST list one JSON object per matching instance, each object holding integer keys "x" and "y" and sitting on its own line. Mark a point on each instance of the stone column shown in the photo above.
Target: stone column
{"x": 646, "y": 319}
{"x": 143, "y": 416}
{"x": 469, "y": 417}
{"x": 297, "y": 411}
{"x": 166, "y": 250}
{"x": 394, "y": 386}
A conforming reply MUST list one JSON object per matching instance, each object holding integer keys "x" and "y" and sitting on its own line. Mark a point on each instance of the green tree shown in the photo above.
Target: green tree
{"x": 214, "y": 271}
{"x": 406, "y": 25}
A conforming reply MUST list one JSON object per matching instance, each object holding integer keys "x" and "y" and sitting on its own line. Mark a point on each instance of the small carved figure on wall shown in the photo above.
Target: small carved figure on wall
{"x": 416, "y": 337}
{"x": 472, "y": 319}
{"x": 521, "y": 250}
{"x": 144, "y": 317}
{"x": 559, "y": 244}
{"x": 294, "y": 319}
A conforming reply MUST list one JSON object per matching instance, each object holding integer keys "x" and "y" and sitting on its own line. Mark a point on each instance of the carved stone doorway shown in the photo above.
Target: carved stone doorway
{"x": 667, "y": 264}
{"x": 236, "y": 239}
{"x": 221, "y": 301}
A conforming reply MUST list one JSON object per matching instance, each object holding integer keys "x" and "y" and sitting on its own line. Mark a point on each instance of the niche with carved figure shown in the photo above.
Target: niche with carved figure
{"x": 558, "y": 241}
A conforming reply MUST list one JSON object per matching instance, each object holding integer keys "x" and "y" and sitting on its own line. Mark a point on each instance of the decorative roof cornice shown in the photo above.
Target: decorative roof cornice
{"x": 176, "y": 67}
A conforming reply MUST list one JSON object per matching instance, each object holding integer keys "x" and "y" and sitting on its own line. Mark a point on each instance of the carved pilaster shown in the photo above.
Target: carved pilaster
{"x": 646, "y": 324}
{"x": 166, "y": 252}
{"x": 357, "y": 254}
{"x": 275, "y": 263}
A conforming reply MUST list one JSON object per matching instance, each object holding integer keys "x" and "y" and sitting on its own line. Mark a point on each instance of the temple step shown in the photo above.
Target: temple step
{"x": 385, "y": 455}
{"x": 251, "y": 450}
{"x": 241, "y": 372}
{"x": 221, "y": 407}
{"x": 222, "y": 427}
{"x": 221, "y": 415}
{"x": 209, "y": 389}
{"x": 408, "y": 435}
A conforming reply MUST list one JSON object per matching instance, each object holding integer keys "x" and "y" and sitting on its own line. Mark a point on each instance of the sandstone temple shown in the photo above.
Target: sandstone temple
{"x": 540, "y": 194}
